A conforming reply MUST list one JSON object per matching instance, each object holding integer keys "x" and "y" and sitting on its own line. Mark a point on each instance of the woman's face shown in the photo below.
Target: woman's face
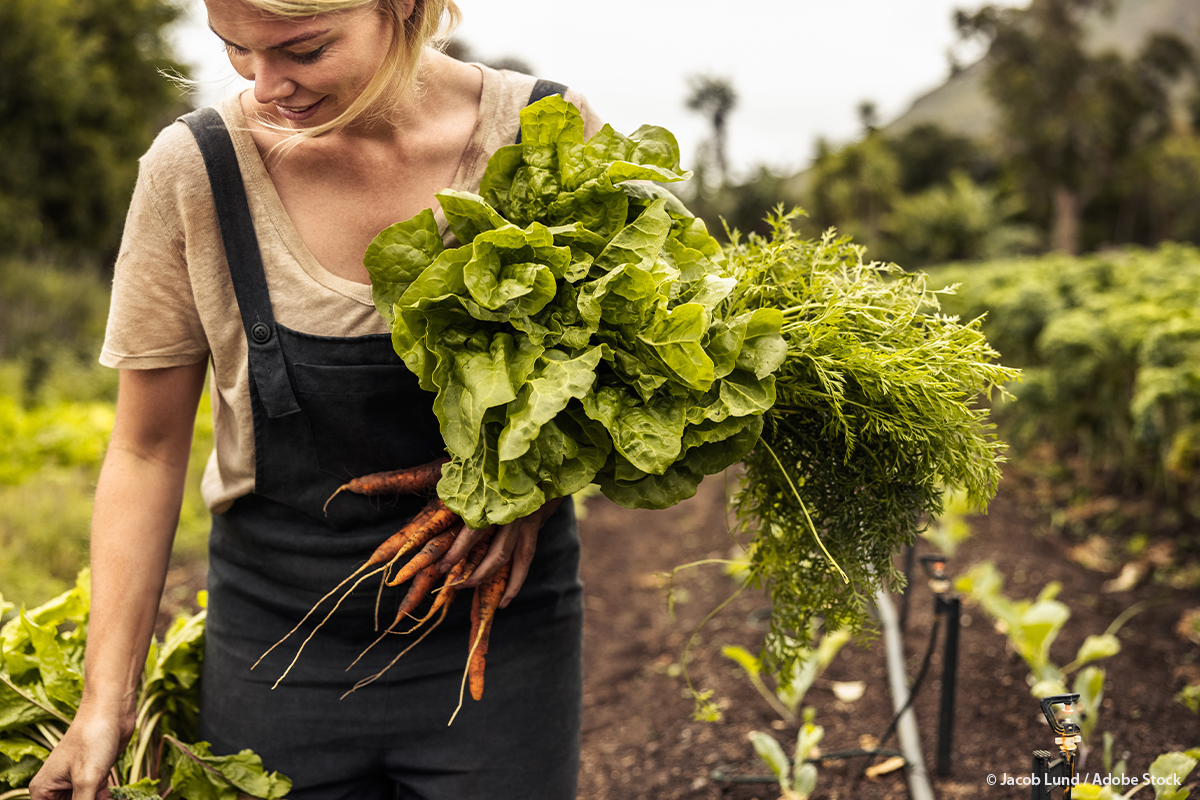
{"x": 305, "y": 70}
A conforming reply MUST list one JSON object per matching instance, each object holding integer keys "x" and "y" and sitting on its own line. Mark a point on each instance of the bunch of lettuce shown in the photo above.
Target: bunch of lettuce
{"x": 41, "y": 682}
{"x": 576, "y": 335}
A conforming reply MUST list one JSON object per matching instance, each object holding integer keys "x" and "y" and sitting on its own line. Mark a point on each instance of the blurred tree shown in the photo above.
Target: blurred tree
{"x": 81, "y": 97}
{"x": 956, "y": 220}
{"x": 715, "y": 98}
{"x": 1071, "y": 119}
{"x": 853, "y": 188}
{"x": 928, "y": 156}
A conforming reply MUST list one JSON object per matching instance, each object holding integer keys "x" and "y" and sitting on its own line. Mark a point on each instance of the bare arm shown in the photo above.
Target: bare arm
{"x": 133, "y": 527}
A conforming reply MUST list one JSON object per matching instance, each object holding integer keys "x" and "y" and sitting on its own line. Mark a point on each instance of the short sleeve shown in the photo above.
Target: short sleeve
{"x": 153, "y": 320}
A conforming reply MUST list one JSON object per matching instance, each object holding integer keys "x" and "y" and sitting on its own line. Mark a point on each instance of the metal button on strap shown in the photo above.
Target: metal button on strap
{"x": 260, "y": 332}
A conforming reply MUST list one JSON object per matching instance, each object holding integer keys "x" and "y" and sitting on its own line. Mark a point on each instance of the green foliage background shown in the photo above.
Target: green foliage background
{"x": 57, "y": 406}
{"x": 1109, "y": 345}
{"x": 81, "y": 98}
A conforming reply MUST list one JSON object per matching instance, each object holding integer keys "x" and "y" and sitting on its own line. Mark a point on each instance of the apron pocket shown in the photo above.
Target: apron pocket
{"x": 368, "y": 418}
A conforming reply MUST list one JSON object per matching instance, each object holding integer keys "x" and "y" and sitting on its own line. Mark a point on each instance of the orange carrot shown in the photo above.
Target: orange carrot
{"x": 413, "y": 480}
{"x": 483, "y": 611}
{"x": 434, "y": 549}
{"x": 422, "y": 584}
{"x": 457, "y": 574}
{"x": 428, "y": 523}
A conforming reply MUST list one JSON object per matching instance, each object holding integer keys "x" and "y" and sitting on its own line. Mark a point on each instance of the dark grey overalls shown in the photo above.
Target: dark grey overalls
{"x": 326, "y": 409}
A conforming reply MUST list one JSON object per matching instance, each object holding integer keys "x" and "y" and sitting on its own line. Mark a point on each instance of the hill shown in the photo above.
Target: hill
{"x": 961, "y": 104}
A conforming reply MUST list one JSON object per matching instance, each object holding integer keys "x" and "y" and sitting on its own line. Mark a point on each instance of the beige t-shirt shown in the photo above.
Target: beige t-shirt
{"x": 173, "y": 302}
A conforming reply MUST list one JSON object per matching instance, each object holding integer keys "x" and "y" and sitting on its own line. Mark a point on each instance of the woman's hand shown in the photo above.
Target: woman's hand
{"x": 516, "y": 541}
{"x": 78, "y": 768}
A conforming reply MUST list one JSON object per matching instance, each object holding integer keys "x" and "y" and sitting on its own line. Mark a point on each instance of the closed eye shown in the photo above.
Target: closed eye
{"x": 310, "y": 56}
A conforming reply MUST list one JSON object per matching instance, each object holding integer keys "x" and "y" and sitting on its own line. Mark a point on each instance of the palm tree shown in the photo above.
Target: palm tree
{"x": 714, "y": 98}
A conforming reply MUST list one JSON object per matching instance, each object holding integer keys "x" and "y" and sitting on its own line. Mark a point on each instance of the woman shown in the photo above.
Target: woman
{"x": 354, "y": 122}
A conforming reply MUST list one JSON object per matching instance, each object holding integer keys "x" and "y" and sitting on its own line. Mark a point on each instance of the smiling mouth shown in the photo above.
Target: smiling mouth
{"x": 299, "y": 113}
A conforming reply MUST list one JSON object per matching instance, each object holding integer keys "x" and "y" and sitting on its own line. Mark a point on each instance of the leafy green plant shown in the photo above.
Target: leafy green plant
{"x": 1165, "y": 776}
{"x": 797, "y": 777}
{"x": 789, "y": 693}
{"x": 875, "y": 418}
{"x": 948, "y": 530}
{"x": 41, "y": 682}
{"x": 1189, "y": 696}
{"x": 1109, "y": 347}
{"x": 1031, "y": 628}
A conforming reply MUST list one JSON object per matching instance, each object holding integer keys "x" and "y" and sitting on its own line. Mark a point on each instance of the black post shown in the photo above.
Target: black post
{"x": 951, "y": 606}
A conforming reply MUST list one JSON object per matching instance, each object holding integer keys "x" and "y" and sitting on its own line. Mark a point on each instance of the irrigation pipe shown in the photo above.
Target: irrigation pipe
{"x": 906, "y": 731}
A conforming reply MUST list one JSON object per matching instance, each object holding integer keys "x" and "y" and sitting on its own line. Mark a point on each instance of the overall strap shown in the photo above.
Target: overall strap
{"x": 267, "y": 366}
{"x": 543, "y": 89}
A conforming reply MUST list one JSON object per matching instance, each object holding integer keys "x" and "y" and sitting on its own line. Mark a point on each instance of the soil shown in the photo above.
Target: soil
{"x": 640, "y": 741}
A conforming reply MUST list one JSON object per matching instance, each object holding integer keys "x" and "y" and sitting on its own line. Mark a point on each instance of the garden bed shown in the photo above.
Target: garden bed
{"x": 639, "y": 740}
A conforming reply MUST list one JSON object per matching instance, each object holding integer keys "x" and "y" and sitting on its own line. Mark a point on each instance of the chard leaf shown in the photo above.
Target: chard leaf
{"x": 743, "y": 394}
{"x": 468, "y": 214}
{"x": 469, "y": 486}
{"x": 397, "y": 256}
{"x": 480, "y": 373}
{"x": 621, "y": 171}
{"x": 763, "y": 349}
{"x": 655, "y": 146}
{"x": 606, "y": 146}
{"x": 145, "y": 789}
{"x": 737, "y": 437}
{"x": 644, "y": 194}
{"x": 496, "y": 182}
{"x": 542, "y": 397}
{"x": 640, "y": 241}
{"x": 675, "y": 485}
{"x": 675, "y": 338}
{"x": 16, "y": 711}
{"x": 20, "y": 759}
{"x": 596, "y": 206}
{"x": 200, "y": 775}
{"x": 648, "y": 436}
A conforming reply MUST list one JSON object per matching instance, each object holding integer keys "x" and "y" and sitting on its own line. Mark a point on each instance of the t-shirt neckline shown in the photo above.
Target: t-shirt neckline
{"x": 254, "y": 172}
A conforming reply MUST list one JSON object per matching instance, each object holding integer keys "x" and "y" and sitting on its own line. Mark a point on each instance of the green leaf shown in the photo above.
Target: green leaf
{"x": 770, "y": 751}
{"x": 20, "y": 759}
{"x": 200, "y": 775}
{"x": 145, "y": 789}
{"x": 398, "y": 255}
{"x": 648, "y": 436}
{"x": 809, "y": 737}
{"x": 744, "y": 658}
{"x": 544, "y": 395}
{"x": 1096, "y": 647}
{"x": 1168, "y": 772}
{"x": 1089, "y": 685}
{"x": 675, "y": 338}
{"x": 468, "y": 215}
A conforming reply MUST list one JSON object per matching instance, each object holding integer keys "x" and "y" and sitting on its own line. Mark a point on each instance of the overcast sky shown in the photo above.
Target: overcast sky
{"x": 800, "y": 67}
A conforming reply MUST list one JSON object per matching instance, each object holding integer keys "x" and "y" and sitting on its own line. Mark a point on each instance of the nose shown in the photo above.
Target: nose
{"x": 270, "y": 81}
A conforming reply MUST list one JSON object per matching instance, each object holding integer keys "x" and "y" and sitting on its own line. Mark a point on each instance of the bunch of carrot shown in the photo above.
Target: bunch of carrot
{"x": 430, "y": 533}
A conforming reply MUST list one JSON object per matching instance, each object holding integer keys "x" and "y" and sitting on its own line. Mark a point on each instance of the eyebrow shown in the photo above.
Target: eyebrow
{"x": 295, "y": 40}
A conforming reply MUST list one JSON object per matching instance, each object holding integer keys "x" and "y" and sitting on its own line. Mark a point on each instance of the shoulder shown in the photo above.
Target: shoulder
{"x": 172, "y": 170}
{"x": 507, "y": 92}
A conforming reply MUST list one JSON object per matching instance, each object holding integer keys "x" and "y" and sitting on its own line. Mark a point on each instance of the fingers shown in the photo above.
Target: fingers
{"x": 521, "y": 559}
{"x": 464, "y": 540}
{"x": 498, "y": 554}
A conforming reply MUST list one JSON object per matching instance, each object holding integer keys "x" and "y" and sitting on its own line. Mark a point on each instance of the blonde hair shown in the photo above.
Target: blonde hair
{"x": 429, "y": 25}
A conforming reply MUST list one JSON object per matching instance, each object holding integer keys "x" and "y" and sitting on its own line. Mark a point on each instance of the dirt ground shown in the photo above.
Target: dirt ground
{"x": 639, "y": 740}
